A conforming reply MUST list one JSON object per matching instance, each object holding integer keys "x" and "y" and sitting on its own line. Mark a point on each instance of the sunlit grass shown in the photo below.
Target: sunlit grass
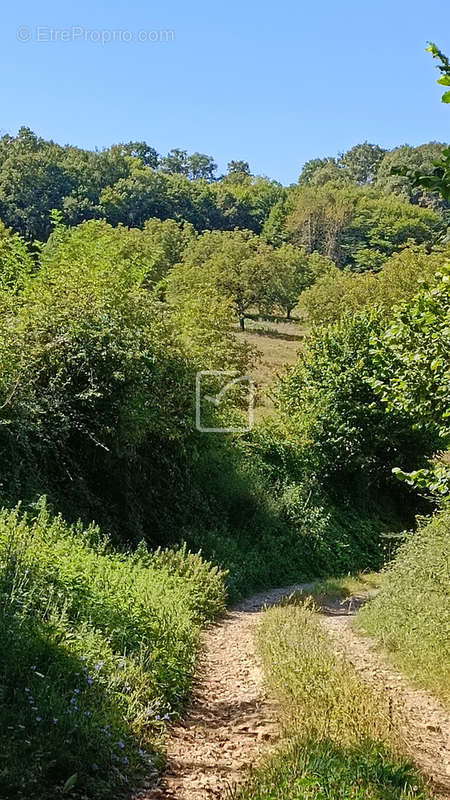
{"x": 338, "y": 739}
{"x": 410, "y": 617}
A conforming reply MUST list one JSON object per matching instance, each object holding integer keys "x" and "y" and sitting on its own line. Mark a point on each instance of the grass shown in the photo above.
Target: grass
{"x": 97, "y": 648}
{"x": 278, "y": 342}
{"x": 410, "y": 617}
{"x": 338, "y": 740}
{"x": 364, "y": 584}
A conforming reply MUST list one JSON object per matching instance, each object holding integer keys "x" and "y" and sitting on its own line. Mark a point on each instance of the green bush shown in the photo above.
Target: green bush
{"x": 337, "y": 292}
{"x": 348, "y": 442}
{"x": 96, "y": 648}
{"x": 412, "y": 375}
{"x": 96, "y": 393}
{"x": 410, "y": 616}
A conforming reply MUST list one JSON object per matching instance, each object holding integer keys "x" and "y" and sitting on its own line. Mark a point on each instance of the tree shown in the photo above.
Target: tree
{"x": 146, "y": 154}
{"x": 238, "y": 168}
{"x": 175, "y": 162}
{"x": 195, "y": 166}
{"x": 355, "y": 226}
{"x": 201, "y": 166}
{"x": 235, "y": 265}
{"x": 437, "y": 177}
{"x": 339, "y": 291}
{"x": 412, "y": 359}
{"x": 396, "y": 170}
{"x": 33, "y": 180}
{"x": 95, "y": 389}
{"x": 291, "y": 274}
{"x": 443, "y": 67}
{"x": 136, "y": 198}
{"x": 413, "y": 377}
{"x": 331, "y": 409}
{"x": 318, "y": 171}
{"x": 147, "y": 254}
{"x": 237, "y": 172}
{"x": 16, "y": 263}
{"x": 360, "y": 163}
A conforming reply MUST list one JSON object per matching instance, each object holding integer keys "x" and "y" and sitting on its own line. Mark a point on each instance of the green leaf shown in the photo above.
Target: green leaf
{"x": 445, "y": 80}
{"x": 70, "y": 783}
{"x": 446, "y": 97}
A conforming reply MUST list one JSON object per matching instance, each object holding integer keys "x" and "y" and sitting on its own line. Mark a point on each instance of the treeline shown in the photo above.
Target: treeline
{"x": 126, "y": 183}
{"x": 129, "y": 183}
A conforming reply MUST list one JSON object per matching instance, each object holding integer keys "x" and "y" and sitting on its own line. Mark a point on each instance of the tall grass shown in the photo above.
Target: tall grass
{"x": 338, "y": 743}
{"x": 410, "y": 616}
{"x": 96, "y": 649}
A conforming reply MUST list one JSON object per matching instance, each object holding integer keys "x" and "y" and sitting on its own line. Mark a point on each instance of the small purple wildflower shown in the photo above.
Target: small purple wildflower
{"x": 98, "y": 665}
{"x": 55, "y": 720}
{"x": 120, "y": 744}
{"x": 38, "y": 719}
{"x": 26, "y": 690}
{"x": 94, "y": 767}
{"x": 124, "y": 760}
{"x": 76, "y": 691}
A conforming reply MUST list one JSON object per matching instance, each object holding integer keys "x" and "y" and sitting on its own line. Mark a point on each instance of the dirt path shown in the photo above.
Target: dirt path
{"x": 422, "y": 721}
{"x": 230, "y": 720}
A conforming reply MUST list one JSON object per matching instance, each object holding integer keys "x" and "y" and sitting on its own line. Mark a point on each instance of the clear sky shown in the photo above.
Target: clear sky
{"x": 271, "y": 83}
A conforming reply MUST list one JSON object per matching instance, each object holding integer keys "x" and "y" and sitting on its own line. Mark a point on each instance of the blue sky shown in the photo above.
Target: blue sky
{"x": 272, "y": 83}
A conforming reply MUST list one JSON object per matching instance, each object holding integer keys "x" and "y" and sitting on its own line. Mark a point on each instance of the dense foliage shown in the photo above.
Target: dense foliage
{"x": 338, "y": 291}
{"x": 97, "y": 648}
{"x": 410, "y": 616}
{"x": 328, "y": 403}
{"x": 356, "y": 227}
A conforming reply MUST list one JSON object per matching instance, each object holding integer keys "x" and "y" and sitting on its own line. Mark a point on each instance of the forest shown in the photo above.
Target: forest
{"x": 124, "y": 529}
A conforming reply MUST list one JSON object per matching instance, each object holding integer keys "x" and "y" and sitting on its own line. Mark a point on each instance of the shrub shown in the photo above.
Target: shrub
{"x": 338, "y": 292}
{"x": 96, "y": 392}
{"x": 96, "y": 648}
{"x": 349, "y": 443}
{"x": 413, "y": 376}
{"x": 410, "y": 616}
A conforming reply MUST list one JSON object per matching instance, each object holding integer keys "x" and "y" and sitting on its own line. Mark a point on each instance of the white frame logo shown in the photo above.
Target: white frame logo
{"x": 236, "y": 378}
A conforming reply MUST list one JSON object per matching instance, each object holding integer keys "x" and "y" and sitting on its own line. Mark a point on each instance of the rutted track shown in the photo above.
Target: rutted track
{"x": 231, "y": 720}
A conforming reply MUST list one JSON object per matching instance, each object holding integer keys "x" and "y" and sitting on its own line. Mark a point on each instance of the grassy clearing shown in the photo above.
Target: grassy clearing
{"x": 278, "y": 342}
{"x": 338, "y": 741}
{"x": 410, "y": 616}
{"x": 97, "y": 648}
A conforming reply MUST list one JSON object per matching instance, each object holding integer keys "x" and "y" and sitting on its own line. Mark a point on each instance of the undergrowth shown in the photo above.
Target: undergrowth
{"x": 410, "y": 616}
{"x": 97, "y": 650}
